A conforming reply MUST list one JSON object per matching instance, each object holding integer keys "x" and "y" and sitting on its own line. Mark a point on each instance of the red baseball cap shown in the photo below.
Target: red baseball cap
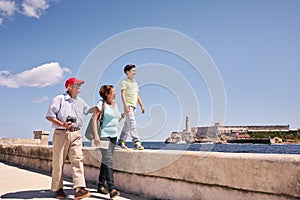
{"x": 73, "y": 81}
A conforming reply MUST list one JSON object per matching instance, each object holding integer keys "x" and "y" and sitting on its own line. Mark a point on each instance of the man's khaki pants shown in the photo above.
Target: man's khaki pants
{"x": 67, "y": 143}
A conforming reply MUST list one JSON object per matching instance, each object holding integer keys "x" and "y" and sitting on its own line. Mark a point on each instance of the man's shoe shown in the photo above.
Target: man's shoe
{"x": 60, "y": 194}
{"x": 114, "y": 193}
{"x": 138, "y": 146}
{"x": 123, "y": 145}
{"x": 81, "y": 193}
{"x": 102, "y": 190}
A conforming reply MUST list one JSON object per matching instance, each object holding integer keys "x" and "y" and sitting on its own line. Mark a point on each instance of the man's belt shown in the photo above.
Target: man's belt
{"x": 69, "y": 129}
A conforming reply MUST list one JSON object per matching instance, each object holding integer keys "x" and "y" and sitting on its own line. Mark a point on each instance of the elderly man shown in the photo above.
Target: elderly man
{"x": 65, "y": 113}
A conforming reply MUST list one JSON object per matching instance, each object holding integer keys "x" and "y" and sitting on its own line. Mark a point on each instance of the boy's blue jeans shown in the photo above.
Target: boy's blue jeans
{"x": 106, "y": 171}
{"x": 129, "y": 127}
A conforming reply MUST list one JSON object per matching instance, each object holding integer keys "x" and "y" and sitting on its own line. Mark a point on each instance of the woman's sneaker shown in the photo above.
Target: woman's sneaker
{"x": 114, "y": 193}
{"x": 138, "y": 146}
{"x": 102, "y": 190}
{"x": 123, "y": 145}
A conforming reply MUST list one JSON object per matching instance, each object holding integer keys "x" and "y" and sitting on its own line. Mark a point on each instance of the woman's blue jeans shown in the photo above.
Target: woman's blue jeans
{"x": 106, "y": 171}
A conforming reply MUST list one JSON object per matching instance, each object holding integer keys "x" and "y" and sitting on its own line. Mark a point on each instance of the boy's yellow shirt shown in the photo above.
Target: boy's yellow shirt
{"x": 131, "y": 91}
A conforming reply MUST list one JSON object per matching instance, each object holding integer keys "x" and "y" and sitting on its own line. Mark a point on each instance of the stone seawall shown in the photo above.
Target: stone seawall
{"x": 182, "y": 175}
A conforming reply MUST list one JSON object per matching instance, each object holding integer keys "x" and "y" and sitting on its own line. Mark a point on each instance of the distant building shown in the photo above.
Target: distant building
{"x": 198, "y": 134}
{"x": 235, "y": 130}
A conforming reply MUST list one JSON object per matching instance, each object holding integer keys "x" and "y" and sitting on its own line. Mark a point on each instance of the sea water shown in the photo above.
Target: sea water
{"x": 233, "y": 148}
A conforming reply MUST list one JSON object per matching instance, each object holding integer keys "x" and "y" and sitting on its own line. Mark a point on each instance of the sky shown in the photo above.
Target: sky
{"x": 233, "y": 62}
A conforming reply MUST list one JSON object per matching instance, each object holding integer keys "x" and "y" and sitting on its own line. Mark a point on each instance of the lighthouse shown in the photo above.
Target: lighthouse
{"x": 187, "y": 124}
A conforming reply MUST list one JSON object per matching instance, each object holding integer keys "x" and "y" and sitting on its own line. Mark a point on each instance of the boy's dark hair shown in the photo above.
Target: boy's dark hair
{"x": 104, "y": 91}
{"x": 128, "y": 67}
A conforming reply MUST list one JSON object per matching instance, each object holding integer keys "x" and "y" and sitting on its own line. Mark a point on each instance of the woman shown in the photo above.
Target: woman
{"x": 111, "y": 117}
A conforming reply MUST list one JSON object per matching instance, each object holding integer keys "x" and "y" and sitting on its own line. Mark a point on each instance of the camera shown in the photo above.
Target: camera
{"x": 71, "y": 119}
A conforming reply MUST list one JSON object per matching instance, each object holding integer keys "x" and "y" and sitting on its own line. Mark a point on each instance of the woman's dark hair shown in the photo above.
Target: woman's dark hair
{"x": 128, "y": 67}
{"x": 105, "y": 90}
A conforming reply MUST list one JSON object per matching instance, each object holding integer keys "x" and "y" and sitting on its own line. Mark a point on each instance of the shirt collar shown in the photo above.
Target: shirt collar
{"x": 69, "y": 98}
{"x": 130, "y": 80}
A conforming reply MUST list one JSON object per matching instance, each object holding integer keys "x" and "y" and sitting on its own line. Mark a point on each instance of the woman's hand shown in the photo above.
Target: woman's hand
{"x": 97, "y": 142}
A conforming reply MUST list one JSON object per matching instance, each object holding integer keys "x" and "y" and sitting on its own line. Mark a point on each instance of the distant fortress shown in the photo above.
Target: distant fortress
{"x": 216, "y": 132}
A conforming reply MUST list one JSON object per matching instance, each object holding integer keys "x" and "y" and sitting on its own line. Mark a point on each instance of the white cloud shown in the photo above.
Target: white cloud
{"x": 34, "y": 8}
{"x": 41, "y": 100}
{"x": 8, "y": 8}
{"x": 41, "y": 76}
{"x": 28, "y": 8}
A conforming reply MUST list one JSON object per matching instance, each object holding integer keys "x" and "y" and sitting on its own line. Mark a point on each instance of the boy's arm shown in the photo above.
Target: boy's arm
{"x": 141, "y": 104}
{"x": 126, "y": 108}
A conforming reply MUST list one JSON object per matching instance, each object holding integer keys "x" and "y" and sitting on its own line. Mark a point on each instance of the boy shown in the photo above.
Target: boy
{"x": 130, "y": 96}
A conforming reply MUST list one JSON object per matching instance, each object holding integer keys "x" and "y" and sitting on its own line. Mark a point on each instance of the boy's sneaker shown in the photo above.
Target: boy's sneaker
{"x": 138, "y": 146}
{"x": 123, "y": 145}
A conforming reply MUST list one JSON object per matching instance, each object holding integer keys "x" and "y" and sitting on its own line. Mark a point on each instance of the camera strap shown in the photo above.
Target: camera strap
{"x": 102, "y": 114}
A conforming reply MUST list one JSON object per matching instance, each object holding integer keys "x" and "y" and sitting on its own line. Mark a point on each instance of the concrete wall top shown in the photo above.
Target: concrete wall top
{"x": 264, "y": 173}
{"x": 271, "y": 173}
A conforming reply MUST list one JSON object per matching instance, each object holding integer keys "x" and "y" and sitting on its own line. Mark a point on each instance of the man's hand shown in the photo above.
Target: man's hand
{"x": 68, "y": 125}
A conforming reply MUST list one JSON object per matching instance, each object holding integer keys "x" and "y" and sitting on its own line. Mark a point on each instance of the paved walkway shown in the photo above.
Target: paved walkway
{"x": 19, "y": 183}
